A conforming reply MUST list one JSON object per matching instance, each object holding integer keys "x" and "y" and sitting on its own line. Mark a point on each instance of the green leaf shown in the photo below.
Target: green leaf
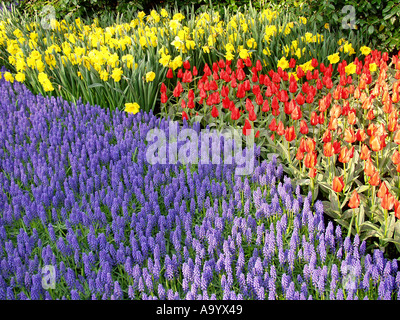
{"x": 95, "y": 85}
{"x": 371, "y": 29}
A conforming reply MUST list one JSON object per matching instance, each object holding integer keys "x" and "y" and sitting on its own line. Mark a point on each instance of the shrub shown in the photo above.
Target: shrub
{"x": 380, "y": 20}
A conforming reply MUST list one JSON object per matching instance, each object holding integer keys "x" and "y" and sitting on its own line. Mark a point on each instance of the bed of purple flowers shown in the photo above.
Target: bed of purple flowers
{"x": 77, "y": 193}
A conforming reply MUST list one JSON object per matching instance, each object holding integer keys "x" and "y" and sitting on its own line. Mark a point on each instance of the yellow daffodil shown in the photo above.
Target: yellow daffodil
{"x": 283, "y": 63}
{"x": 350, "y": 68}
{"x": 8, "y": 77}
{"x": 229, "y": 56}
{"x": 150, "y": 76}
{"x": 243, "y": 53}
{"x": 365, "y": 50}
{"x": 334, "y": 58}
{"x": 132, "y": 108}
{"x": 372, "y": 67}
{"x": 116, "y": 74}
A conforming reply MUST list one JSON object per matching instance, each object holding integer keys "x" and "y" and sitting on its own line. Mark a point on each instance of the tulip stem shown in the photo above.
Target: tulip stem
{"x": 386, "y": 219}
{"x": 351, "y": 224}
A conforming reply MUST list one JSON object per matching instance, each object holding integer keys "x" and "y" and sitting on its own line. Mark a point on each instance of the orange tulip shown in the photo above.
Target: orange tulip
{"x": 310, "y": 159}
{"x": 397, "y": 137}
{"x": 369, "y": 168}
{"x": 336, "y": 111}
{"x": 375, "y": 180}
{"x": 367, "y": 103}
{"x": 375, "y": 143}
{"x": 333, "y": 124}
{"x": 387, "y": 201}
{"x": 354, "y": 201}
{"x": 281, "y": 129}
{"x": 312, "y": 172}
{"x": 310, "y": 145}
{"x": 290, "y": 134}
{"x": 299, "y": 154}
{"x": 351, "y": 118}
{"x": 344, "y": 155}
{"x": 349, "y": 135}
{"x": 328, "y": 149}
{"x": 338, "y": 184}
{"x": 371, "y": 129}
{"x": 397, "y": 209}
{"x": 365, "y": 153}
{"x": 396, "y": 157}
{"x": 382, "y": 190}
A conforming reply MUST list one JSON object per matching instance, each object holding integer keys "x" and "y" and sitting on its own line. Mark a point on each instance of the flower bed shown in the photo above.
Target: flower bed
{"x": 125, "y": 61}
{"x": 77, "y": 193}
{"x": 335, "y": 129}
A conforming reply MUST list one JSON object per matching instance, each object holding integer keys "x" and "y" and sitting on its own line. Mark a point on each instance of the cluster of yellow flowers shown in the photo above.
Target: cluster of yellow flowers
{"x": 112, "y": 53}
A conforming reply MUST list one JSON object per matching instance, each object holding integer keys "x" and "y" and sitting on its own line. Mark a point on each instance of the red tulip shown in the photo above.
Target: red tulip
{"x": 178, "y": 90}
{"x": 336, "y": 147}
{"x": 214, "y": 112}
{"x": 164, "y": 98}
{"x": 314, "y": 118}
{"x": 299, "y": 154}
{"x": 246, "y": 128}
{"x": 300, "y": 99}
{"x": 258, "y": 65}
{"x": 361, "y": 135}
{"x": 300, "y": 73}
{"x": 180, "y": 73}
{"x": 249, "y": 105}
{"x": 170, "y": 74}
{"x": 184, "y": 116}
{"x": 235, "y": 113}
{"x": 327, "y": 136}
{"x": 186, "y": 64}
{"x": 252, "y": 115}
{"x": 265, "y": 107}
{"x": 273, "y": 126}
{"x": 303, "y": 127}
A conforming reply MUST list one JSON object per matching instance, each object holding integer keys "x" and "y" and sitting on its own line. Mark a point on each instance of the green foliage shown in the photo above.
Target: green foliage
{"x": 82, "y": 8}
{"x": 379, "y": 20}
